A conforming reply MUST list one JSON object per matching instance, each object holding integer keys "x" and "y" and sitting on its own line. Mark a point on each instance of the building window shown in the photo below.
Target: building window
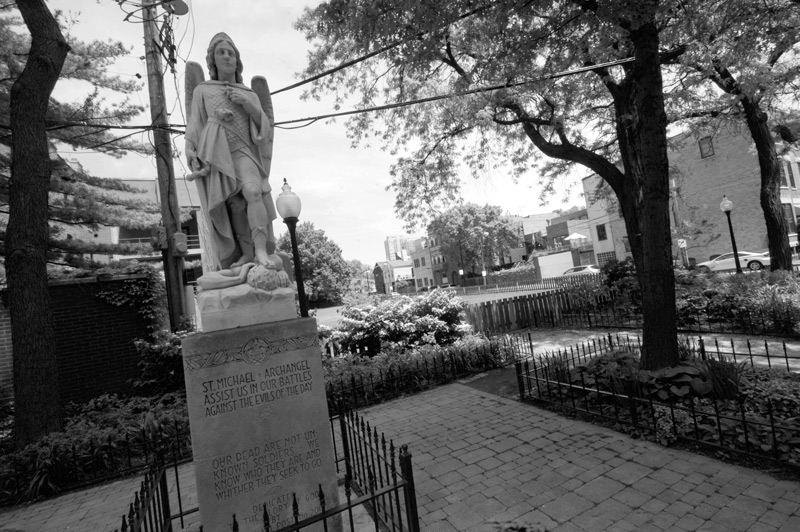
{"x": 787, "y": 174}
{"x": 706, "y": 147}
{"x": 422, "y": 261}
{"x": 784, "y": 174}
{"x": 601, "y": 232}
{"x": 788, "y": 215}
{"x": 603, "y": 258}
{"x": 416, "y": 263}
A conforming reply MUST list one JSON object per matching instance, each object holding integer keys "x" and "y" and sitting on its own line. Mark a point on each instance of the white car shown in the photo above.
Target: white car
{"x": 583, "y": 270}
{"x": 726, "y": 261}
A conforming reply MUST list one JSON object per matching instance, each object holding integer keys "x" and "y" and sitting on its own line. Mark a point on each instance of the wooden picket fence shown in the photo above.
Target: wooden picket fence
{"x": 547, "y": 309}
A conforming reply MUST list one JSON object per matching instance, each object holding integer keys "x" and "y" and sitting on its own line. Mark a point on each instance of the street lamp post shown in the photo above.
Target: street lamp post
{"x": 288, "y": 206}
{"x": 727, "y": 206}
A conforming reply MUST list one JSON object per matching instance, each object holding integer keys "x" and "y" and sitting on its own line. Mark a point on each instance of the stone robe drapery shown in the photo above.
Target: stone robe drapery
{"x": 221, "y": 133}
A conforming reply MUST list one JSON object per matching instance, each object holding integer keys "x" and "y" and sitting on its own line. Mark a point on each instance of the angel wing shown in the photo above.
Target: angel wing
{"x": 194, "y": 77}
{"x": 261, "y": 88}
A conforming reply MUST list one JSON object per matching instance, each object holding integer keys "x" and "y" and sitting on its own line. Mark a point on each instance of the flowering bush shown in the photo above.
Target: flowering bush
{"x": 402, "y": 322}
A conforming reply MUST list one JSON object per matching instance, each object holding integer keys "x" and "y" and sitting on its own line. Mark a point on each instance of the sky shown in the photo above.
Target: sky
{"x": 343, "y": 190}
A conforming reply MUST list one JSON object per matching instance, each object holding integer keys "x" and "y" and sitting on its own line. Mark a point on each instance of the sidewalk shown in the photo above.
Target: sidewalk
{"x": 479, "y": 459}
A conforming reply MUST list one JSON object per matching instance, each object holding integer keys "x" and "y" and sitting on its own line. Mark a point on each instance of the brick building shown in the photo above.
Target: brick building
{"x": 701, "y": 172}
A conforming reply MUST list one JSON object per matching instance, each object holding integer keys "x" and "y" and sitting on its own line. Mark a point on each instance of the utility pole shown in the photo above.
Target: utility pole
{"x": 170, "y": 211}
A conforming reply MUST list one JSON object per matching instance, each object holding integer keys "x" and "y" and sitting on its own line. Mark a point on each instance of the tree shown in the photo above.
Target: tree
{"x": 326, "y": 276}
{"x": 32, "y": 62}
{"x": 37, "y": 404}
{"x": 747, "y": 50}
{"x": 78, "y": 202}
{"x": 471, "y": 236}
{"x": 611, "y": 119}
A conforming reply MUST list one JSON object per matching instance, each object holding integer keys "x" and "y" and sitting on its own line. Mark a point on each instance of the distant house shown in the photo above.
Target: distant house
{"x": 429, "y": 266}
{"x": 388, "y": 274}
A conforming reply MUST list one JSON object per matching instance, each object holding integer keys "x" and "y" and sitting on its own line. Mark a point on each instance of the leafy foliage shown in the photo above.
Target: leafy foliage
{"x": 433, "y": 318}
{"x": 161, "y": 364}
{"x": 766, "y": 302}
{"x": 472, "y": 236}
{"x": 146, "y": 294}
{"x": 326, "y": 275}
{"x": 361, "y": 380}
{"x": 100, "y": 438}
{"x": 79, "y": 203}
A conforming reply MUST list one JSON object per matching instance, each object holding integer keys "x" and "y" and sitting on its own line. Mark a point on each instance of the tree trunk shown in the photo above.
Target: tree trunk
{"x": 644, "y": 198}
{"x": 36, "y": 395}
{"x": 777, "y": 232}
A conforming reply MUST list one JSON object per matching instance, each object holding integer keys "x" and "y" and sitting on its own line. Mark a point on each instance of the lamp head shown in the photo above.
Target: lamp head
{"x": 288, "y": 203}
{"x": 726, "y": 205}
{"x": 176, "y": 7}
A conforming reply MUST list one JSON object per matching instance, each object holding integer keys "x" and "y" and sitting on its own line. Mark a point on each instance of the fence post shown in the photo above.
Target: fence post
{"x": 520, "y": 383}
{"x": 166, "y": 514}
{"x": 702, "y": 348}
{"x": 410, "y": 493}
{"x": 345, "y": 443}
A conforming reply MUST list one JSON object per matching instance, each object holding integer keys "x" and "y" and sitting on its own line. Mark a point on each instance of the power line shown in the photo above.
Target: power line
{"x": 174, "y": 128}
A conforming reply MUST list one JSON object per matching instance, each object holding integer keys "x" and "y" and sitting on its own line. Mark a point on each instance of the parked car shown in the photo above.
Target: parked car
{"x": 583, "y": 270}
{"x": 726, "y": 261}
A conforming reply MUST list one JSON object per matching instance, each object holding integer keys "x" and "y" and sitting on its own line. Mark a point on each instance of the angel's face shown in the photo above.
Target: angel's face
{"x": 225, "y": 60}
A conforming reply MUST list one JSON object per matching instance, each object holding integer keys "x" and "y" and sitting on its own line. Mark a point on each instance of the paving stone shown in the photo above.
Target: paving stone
{"x": 600, "y": 489}
{"x": 566, "y": 507}
{"x": 761, "y": 527}
{"x": 689, "y": 523}
{"x": 629, "y": 472}
{"x": 734, "y": 519}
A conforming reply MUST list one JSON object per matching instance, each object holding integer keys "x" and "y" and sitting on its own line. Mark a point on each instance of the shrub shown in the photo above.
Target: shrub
{"x": 366, "y": 380}
{"x": 100, "y": 438}
{"x": 402, "y": 321}
{"x": 161, "y": 364}
{"x": 724, "y": 376}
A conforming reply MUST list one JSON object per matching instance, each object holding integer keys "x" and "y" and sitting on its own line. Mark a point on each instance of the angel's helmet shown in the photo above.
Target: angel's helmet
{"x": 212, "y": 67}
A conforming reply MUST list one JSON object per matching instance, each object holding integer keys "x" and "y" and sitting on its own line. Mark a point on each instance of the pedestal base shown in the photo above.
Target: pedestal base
{"x": 243, "y": 305}
{"x": 259, "y": 421}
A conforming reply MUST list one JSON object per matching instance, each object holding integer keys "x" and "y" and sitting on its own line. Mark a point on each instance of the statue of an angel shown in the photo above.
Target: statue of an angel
{"x": 229, "y": 137}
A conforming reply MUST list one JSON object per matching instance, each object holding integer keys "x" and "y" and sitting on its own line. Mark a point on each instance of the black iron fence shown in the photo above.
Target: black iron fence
{"x": 150, "y": 511}
{"x": 561, "y": 308}
{"x": 741, "y": 425}
{"x": 59, "y": 467}
{"x": 377, "y": 476}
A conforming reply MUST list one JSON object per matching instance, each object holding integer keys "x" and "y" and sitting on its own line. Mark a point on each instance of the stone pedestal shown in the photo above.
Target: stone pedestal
{"x": 259, "y": 423}
{"x": 243, "y": 305}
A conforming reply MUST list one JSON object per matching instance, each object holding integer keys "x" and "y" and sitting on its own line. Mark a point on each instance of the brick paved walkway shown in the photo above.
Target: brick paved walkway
{"x": 480, "y": 459}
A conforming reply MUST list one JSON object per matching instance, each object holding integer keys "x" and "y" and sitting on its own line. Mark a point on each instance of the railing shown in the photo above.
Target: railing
{"x": 71, "y": 468}
{"x": 150, "y": 510}
{"x": 727, "y": 425}
{"x": 477, "y": 286}
{"x": 372, "y": 475}
{"x": 377, "y": 477}
{"x": 192, "y": 241}
{"x": 557, "y": 308}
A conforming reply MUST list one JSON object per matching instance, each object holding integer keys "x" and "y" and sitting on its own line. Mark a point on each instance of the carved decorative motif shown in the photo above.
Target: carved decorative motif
{"x": 254, "y": 351}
